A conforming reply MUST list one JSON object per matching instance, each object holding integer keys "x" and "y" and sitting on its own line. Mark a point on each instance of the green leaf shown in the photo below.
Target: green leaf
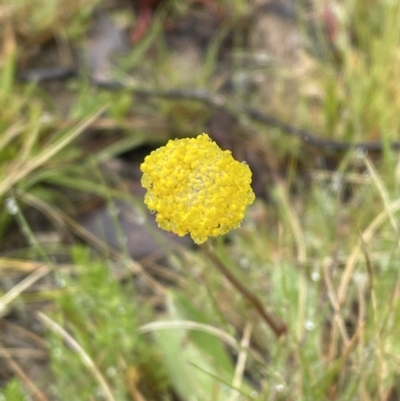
{"x": 198, "y": 364}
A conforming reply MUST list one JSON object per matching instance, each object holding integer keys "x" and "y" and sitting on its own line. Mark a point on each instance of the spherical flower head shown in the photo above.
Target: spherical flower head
{"x": 196, "y": 188}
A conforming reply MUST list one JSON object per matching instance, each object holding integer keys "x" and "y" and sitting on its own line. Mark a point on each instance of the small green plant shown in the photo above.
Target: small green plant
{"x": 101, "y": 321}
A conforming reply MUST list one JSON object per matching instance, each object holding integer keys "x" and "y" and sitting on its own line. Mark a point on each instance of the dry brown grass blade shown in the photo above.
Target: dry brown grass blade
{"x": 9, "y": 40}
{"x": 24, "y": 333}
{"x": 16, "y": 174}
{"x": 132, "y": 378}
{"x": 293, "y": 222}
{"x": 206, "y": 328}
{"x": 23, "y": 353}
{"x": 10, "y": 134}
{"x": 133, "y": 266}
{"x": 352, "y": 343}
{"x": 52, "y": 214}
{"x": 379, "y": 346}
{"x": 377, "y": 180}
{"x": 361, "y": 342}
{"x": 27, "y": 266}
{"x": 38, "y": 395}
{"x": 7, "y": 298}
{"x": 19, "y": 265}
{"x": 75, "y": 346}
{"x": 365, "y": 238}
{"x": 241, "y": 362}
{"x": 338, "y": 319}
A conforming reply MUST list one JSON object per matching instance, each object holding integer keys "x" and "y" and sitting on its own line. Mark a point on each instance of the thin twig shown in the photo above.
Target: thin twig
{"x": 275, "y": 323}
{"x": 219, "y": 102}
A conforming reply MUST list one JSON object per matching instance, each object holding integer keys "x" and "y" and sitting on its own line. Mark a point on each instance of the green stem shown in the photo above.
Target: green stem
{"x": 274, "y": 322}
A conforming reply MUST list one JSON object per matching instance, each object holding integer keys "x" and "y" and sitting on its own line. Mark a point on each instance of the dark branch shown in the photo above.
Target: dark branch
{"x": 218, "y": 102}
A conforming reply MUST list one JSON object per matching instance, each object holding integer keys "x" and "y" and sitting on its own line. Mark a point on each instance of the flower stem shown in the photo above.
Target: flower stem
{"x": 274, "y": 322}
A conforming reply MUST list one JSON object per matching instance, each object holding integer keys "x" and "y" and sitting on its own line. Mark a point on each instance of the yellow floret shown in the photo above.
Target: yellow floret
{"x": 196, "y": 188}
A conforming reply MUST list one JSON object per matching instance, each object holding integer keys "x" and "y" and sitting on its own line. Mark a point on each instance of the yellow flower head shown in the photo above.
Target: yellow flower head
{"x": 196, "y": 188}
